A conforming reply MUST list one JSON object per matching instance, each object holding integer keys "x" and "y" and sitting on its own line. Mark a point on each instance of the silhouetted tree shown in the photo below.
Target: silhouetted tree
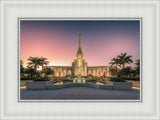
{"x": 30, "y": 71}
{"x": 137, "y": 68}
{"x": 115, "y": 61}
{"x": 113, "y": 71}
{"x": 22, "y": 69}
{"x": 43, "y": 61}
{"x": 123, "y": 59}
{"x": 125, "y": 71}
{"x": 48, "y": 71}
{"x": 133, "y": 73}
{"x": 34, "y": 62}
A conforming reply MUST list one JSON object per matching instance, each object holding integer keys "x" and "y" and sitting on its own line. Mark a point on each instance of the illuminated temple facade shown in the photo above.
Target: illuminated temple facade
{"x": 80, "y": 66}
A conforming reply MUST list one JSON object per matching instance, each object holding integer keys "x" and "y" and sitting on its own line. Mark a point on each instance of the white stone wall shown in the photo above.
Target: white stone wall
{"x": 61, "y": 71}
{"x": 98, "y": 71}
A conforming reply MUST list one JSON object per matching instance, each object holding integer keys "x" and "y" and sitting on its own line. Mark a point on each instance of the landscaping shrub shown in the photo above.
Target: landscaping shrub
{"x": 27, "y": 78}
{"x": 68, "y": 76}
{"x": 117, "y": 79}
{"x": 135, "y": 78}
{"x": 41, "y": 79}
{"x": 67, "y": 80}
{"x": 91, "y": 81}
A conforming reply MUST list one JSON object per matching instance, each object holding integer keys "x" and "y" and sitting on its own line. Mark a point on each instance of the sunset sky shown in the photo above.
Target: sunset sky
{"x": 58, "y": 40}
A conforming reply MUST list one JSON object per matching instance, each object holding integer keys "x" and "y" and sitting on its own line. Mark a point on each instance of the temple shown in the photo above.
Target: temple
{"x": 80, "y": 66}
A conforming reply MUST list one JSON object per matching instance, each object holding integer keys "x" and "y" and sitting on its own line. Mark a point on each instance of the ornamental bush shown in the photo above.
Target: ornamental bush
{"x": 42, "y": 79}
{"x": 117, "y": 79}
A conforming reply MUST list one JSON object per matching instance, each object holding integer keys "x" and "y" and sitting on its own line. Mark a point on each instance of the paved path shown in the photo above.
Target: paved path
{"x": 80, "y": 93}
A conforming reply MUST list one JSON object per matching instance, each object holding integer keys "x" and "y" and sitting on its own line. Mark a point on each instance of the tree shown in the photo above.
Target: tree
{"x": 137, "y": 68}
{"x": 30, "y": 71}
{"x": 22, "y": 69}
{"x": 34, "y": 62}
{"x": 133, "y": 73}
{"x": 125, "y": 71}
{"x": 43, "y": 61}
{"x": 123, "y": 59}
{"x": 115, "y": 61}
{"x": 49, "y": 71}
{"x": 113, "y": 71}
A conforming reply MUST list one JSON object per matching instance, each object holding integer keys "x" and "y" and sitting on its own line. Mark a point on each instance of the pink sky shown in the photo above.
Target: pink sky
{"x": 60, "y": 45}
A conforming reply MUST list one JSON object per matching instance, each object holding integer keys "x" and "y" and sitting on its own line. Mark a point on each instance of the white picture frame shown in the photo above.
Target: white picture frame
{"x": 139, "y": 99}
{"x": 11, "y": 108}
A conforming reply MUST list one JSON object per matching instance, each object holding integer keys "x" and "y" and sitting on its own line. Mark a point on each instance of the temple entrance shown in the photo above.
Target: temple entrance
{"x": 79, "y": 79}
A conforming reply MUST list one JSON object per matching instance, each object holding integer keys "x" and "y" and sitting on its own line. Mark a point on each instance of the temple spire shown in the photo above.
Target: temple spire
{"x": 79, "y": 40}
{"x": 79, "y": 51}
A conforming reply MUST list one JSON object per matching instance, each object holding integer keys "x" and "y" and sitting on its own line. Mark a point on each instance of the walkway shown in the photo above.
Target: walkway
{"x": 79, "y": 93}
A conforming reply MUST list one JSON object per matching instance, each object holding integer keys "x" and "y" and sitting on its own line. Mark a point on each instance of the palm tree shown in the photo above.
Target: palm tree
{"x": 115, "y": 61}
{"x": 137, "y": 66}
{"x": 30, "y": 71}
{"x": 43, "y": 61}
{"x": 112, "y": 71}
{"x": 137, "y": 63}
{"x": 133, "y": 73}
{"x": 123, "y": 59}
{"x": 49, "y": 71}
{"x": 125, "y": 71}
{"x": 34, "y": 62}
{"x": 22, "y": 70}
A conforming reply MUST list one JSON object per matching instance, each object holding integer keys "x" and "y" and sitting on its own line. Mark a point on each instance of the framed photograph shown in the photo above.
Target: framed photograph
{"x": 101, "y": 76}
{"x": 80, "y": 60}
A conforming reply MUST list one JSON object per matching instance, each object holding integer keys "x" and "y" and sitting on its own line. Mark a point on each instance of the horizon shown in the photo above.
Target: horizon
{"x": 101, "y": 40}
